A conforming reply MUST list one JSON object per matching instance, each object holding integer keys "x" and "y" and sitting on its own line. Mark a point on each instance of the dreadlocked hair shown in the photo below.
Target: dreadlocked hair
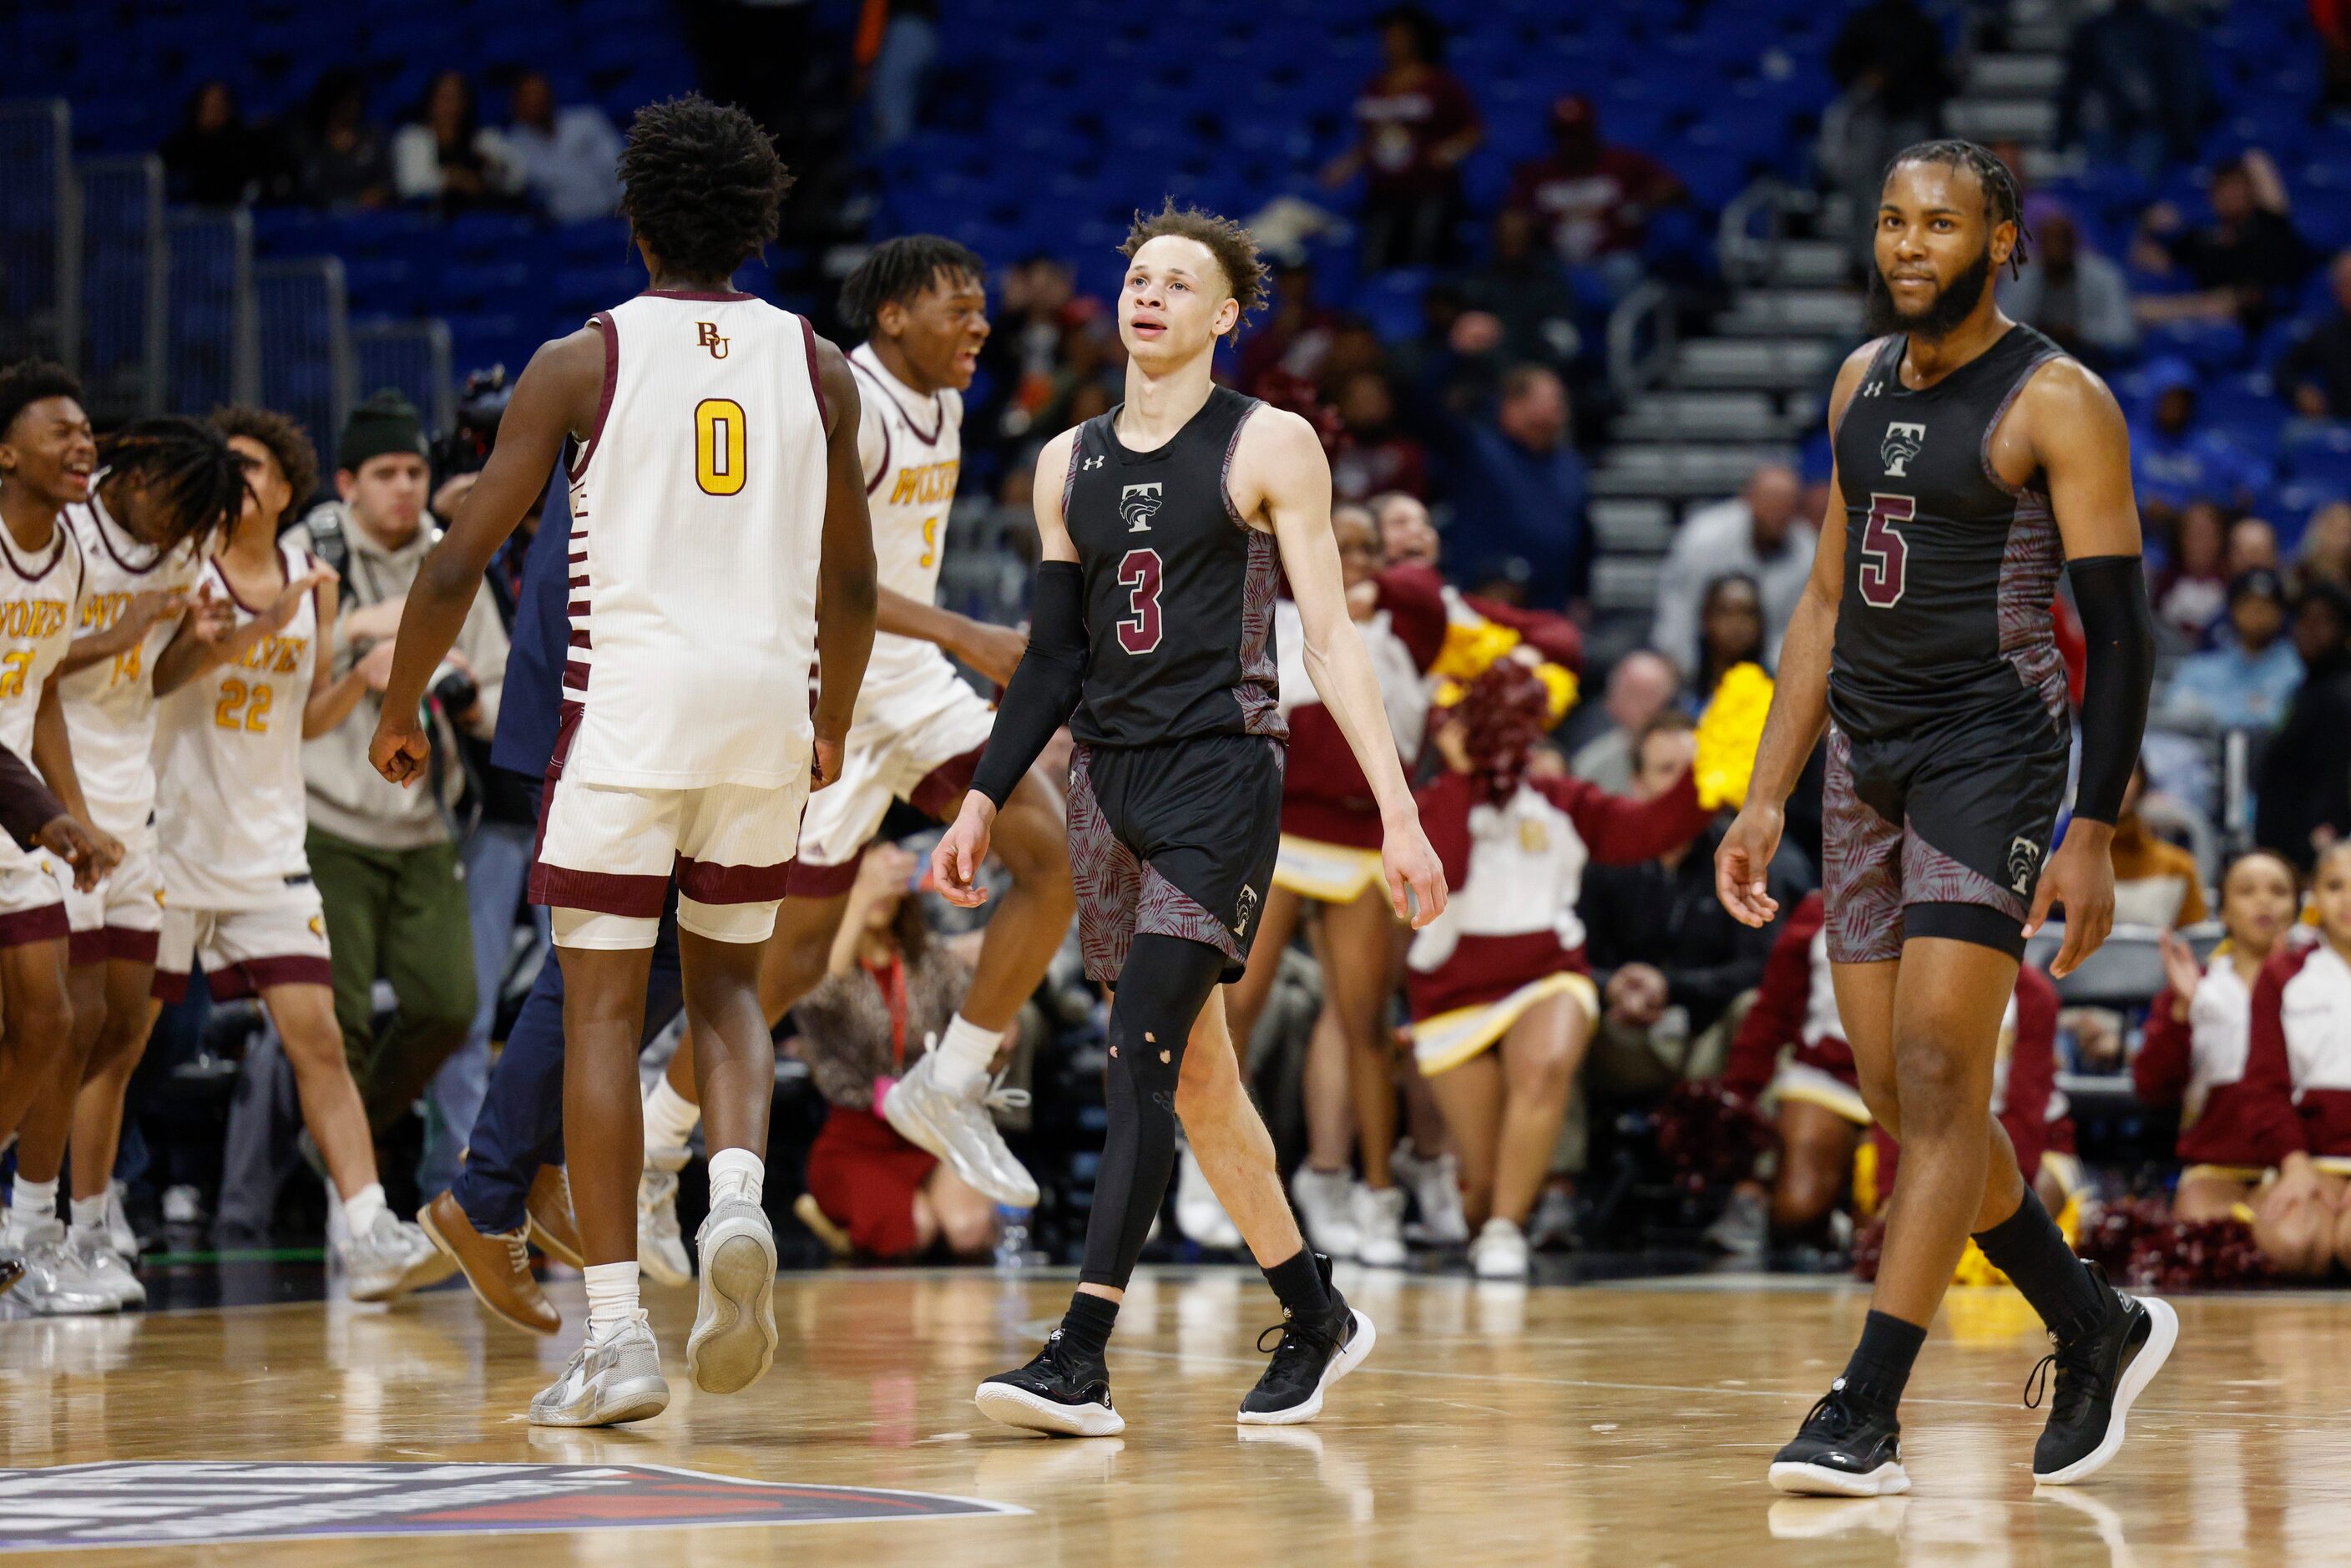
{"x": 701, "y": 185}
{"x": 2002, "y": 199}
{"x": 283, "y": 438}
{"x": 1507, "y": 710}
{"x": 898, "y": 270}
{"x": 1235, "y": 249}
{"x": 182, "y": 466}
{"x": 29, "y": 382}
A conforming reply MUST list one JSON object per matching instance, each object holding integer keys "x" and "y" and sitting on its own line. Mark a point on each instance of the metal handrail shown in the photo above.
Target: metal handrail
{"x": 1630, "y": 368}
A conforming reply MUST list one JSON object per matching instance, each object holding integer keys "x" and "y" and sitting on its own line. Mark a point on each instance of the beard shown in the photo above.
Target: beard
{"x": 1952, "y": 303}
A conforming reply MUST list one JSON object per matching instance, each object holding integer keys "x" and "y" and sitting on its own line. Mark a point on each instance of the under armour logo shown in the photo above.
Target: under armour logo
{"x": 1138, "y": 504}
{"x": 1091, "y": 464}
{"x": 1871, "y": 389}
{"x": 1902, "y": 443}
{"x": 707, "y": 337}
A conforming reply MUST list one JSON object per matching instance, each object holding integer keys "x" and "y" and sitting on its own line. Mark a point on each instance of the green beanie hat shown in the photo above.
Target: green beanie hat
{"x": 385, "y": 422}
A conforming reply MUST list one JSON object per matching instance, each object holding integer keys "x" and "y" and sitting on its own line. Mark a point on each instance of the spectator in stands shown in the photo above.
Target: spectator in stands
{"x": 1589, "y": 198}
{"x": 1295, "y": 332}
{"x": 341, "y": 157}
{"x": 1415, "y": 124}
{"x": 2192, "y": 592}
{"x": 2239, "y": 261}
{"x": 1730, "y": 632}
{"x": 1760, "y": 533}
{"x": 890, "y": 987}
{"x": 2325, "y": 551}
{"x": 2074, "y": 295}
{"x": 2252, "y": 546}
{"x": 2246, "y": 681}
{"x": 898, "y": 68}
{"x": 1375, "y": 454}
{"x": 1518, "y": 489}
{"x": 2174, "y": 460}
{"x": 386, "y": 867}
{"x": 2135, "y": 89}
{"x": 2157, "y": 883}
{"x": 215, "y": 159}
{"x": 2303, "y": 785}
{"x": 2316, "y": 373}
{"x": 445, "y": 154}
{"x": 1892, "y": 81}
{"x": 569, "y": 159}
{"x": 1405, "y": 533}
{"x": 1526, "y": 291}
{"x": 1640, "y": 686}
{"x": 2197, "y": 1028}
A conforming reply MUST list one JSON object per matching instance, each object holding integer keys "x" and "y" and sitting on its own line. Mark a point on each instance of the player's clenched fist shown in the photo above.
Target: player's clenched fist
{"x": 399, "y": 749}
{"x": 954, "y": 864}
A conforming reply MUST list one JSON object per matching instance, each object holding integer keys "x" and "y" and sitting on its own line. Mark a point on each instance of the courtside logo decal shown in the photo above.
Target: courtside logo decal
{"x": 135, "y": 1503}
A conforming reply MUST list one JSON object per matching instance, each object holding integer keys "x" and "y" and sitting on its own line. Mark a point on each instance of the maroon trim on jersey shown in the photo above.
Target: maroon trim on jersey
{"x": 706, "y": 882}
{"x": 809, "y": 880}
{"x": 603, "y": 318}
{"x": 108, "y": 943}
{"x": 169, "y": 986}
{"x": 816, "y": 382}
{"x": 940, "y": 794}
{"x": 255, "y": 975}
{"x": 575, "y": 673}
{"x": 100, "y": 517}
{"x": 1485, "y": 970}
{"x": 1992, "y": 426}
{"x": 25, "y": 926}
{"x": 598, "y": 892}
{"x": 1225, "y": 474}
{"x": 875, "y": 483}
{"x": 708, "y": 296}
{"x": 284, "y": 580}
{"x": 60, "y": 539}
{"x": 1069, "y": 479}
{"x": 579, "y": 637}
{"x": 938, "y": 407}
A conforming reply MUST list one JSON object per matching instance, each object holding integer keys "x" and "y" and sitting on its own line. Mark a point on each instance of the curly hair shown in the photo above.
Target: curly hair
{"x": 2003, "y": 204}
{"x": 1508, "y": 711}
{"x": 30, "y": 382}
{"x": 899, "y": 270}
{"x": 182, "y": 464}
{"x": 701, "y": 185}
{"x": 1235, "y": 249}
{"x": 283, "y": 438}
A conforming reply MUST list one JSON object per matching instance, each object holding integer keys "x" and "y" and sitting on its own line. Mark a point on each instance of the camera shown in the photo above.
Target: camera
{"x": 481, "y": 404}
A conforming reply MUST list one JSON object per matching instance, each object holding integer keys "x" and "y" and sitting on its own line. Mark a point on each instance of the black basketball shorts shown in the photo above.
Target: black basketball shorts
{"x": 1174, "y": 840}
{"x": 1941, "y": 833}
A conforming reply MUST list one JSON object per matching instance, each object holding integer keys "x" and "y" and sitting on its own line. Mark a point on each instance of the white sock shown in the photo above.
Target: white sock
{"x": 963, "y": 1053}
{"x": 360, "y": 1209}
{"x": 89, "y": 1215}
{"x": 737, "y": 1172}
{"x": 669, "y": 1117}
{"x": 32, "y": 1203}
{"x": 611, "y": 1297}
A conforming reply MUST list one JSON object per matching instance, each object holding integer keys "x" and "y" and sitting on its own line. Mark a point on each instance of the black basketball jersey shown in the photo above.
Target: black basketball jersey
{"x": 1949, "y": 574}
{"x": 1178, "y": 589}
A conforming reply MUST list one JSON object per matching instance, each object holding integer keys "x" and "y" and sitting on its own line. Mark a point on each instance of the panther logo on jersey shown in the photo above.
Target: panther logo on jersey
{"x": 1902, "y": 443}
{"x": 2023, "y": 859}
{"x": 707, "y": 337}
{"x": 1138, "y": 504}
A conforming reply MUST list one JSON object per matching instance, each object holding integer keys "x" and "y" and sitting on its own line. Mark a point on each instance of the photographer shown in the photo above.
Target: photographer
{"x": 386, "y": 859}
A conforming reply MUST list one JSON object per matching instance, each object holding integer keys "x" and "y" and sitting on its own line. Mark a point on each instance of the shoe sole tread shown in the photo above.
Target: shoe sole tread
{"x": 734, "y": 1340}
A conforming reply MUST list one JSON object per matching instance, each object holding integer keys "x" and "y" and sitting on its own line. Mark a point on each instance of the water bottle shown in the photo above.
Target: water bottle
{"x": 1011, "y": 1236}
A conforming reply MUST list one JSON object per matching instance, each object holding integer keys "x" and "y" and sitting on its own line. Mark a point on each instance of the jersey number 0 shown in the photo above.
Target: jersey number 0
{"x": 718, "y": 446}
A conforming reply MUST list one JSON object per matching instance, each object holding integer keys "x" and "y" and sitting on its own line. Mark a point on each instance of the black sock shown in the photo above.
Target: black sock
{"x": 2030, "y": 1250}
{"x": 1086, "y": 1326}
{"x": 1880, "y": 1367}
{"x": 1298, "y": 1284}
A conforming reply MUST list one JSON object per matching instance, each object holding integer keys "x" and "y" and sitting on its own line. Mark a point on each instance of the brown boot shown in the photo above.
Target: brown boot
{"x": 497, "y": 1267}
{"x": 554, "y": 1228}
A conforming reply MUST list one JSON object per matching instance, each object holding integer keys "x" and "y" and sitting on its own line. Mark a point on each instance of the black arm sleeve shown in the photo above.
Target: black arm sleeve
{"x": 2110, "y": 590}
{"x": 1045, "y": 688}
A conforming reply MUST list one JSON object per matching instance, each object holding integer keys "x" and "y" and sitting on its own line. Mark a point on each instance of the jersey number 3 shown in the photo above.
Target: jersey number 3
{"x": 1885, "y": 554}
{"x": 1138, "y": 573}
{"x": 718, "y": 446}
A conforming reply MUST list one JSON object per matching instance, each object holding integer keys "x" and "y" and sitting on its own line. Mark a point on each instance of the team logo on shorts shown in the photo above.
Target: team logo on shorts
{"x": 1244, "y": 911}
{"x": 2023, "y": 859}
{"x": 1902, "y": 443}
{"x": 1138, "y": 504}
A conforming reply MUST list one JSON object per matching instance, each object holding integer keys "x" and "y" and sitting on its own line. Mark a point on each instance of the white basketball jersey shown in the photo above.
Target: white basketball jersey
{"x": 912, "y": 449}
{"x": 110, "y": 705}
{"x": 697, "y": 510}
{"x": 38, "y": 593}
{"x": 230, "y": 813}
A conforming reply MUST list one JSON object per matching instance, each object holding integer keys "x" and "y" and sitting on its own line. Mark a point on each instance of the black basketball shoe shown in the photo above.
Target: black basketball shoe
{"x": 1846, "y": 1448}
{"x": 1059, "y": 1391}
{"x": 2098, "y": 1375}
{"x": 1308, "y": 1359}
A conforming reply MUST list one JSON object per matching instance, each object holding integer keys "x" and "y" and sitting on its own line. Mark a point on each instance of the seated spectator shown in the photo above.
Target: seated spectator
{"x": 2252, "y": 546}
{"x": 1405, "y": 532}
{"x": 2316, "y": 373}
{"x": 1640, "y": 686}
{"x": 1759, "y": 534}
{"x": 1415, "y": 124}
{"x": 2325, "y": 555}
{"x": 1375, "y": 454}
{"x": 2302, "y": 782}
{"x": 1590, "y": 199}
{"x": 445, "y": 154}
{"x": 1517, "y": 488}
{"x": 342, "y": 158}
{"x": 2246, "y": 681}
{"x": 2074, "y": 295}
{"x": 1294, "y": 333}
{"x": 2192, "y": 590}
{"x": 214, "y": 159}
{"x": 2156, "y": 881}
{"x": 1730, "y": 632}
{"x": 1502, "y": 1000}
{"x": 2238, "y": 262}
{"x": 2197, "y": 1028}
{"x": 890, "y": 987}
{"x": 2135, "y": 90}
{"x": 569, "y": 159}
{"x": 1526, "y": 291}
{"x": 2174, "y": 460}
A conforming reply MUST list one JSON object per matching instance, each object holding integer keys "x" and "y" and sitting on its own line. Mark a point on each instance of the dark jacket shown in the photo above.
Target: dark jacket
{"x": 1670, "y": 918}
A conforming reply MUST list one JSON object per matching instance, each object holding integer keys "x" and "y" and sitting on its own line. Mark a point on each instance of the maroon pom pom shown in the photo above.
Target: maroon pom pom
{"x": 1709, "y": 1135}
{"x": 2140, "y": 1245}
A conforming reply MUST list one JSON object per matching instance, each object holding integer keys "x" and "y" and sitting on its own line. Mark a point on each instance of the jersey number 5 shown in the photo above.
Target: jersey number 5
{"x": 718, "y": 446}
{"x": 1138, "y": 573}
{"x": 1885, "y": 554}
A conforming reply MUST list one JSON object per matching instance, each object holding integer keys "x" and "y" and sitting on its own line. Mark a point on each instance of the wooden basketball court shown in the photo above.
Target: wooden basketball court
{"x": 1612, "y": 1423}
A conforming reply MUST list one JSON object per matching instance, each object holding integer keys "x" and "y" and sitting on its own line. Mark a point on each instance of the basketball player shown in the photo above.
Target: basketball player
{"x": 1152, "y": 636}
{"x": 230, "y": 817}
{"x": 1971, "y": 456}
{"x": 717, "y": 502}
{"x": 923, "y": 303}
